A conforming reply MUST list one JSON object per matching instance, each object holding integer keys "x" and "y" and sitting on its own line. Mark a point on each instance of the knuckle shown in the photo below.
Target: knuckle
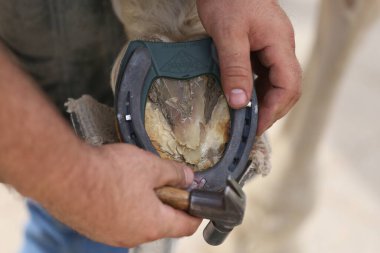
{"x": 294, "y": 93}
{"x": 298, "y": 85}
{"x": 155, "y": 171}
{"x": 285, "y": 29}
{"x": 292, "y": 42}
{"x": 289, "y": 30}
{"x": 297, "y": 93}
{"x": 236, "y": 71}
{"x": 178, "y": 174}
{"x": 294, "y": 77}
{"x": 191, "y": 230}
{"x": 228, "y": 28}
{"x": 153, "y": 234}
{"x": 188, "y": 230}
{"x": 275, "y": 111}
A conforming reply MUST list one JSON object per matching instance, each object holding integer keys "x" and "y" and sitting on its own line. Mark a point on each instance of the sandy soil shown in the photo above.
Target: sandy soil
{"x": 346, "y": 217}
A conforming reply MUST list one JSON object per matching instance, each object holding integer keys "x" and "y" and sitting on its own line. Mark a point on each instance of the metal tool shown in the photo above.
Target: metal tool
{"x": 224, "y": 209}
{"x": 217, "y": 195}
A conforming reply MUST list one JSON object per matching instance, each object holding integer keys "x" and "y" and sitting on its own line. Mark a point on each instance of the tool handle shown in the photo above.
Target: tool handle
{"x": 174, "y": 197}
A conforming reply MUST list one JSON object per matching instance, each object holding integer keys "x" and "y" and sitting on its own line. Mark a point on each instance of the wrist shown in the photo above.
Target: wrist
{"x": 46, "y": 174}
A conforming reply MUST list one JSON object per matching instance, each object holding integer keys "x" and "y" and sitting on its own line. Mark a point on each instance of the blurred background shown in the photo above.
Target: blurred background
{"x": 345, "y": 217}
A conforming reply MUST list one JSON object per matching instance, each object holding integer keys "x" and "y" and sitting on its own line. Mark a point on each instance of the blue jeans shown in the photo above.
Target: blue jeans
{"x": 44, "y": 234}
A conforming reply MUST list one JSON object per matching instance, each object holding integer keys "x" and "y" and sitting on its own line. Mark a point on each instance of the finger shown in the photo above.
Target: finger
{"x": 235, "y": 66}
{"x": 174, "y": 174}
{"x": 280, "y": 82}
{"x": 178, "y": 223}
{"x": 257, "y": 68}
{"x": 283, "y": 84}
{"x": 268, "y": 98}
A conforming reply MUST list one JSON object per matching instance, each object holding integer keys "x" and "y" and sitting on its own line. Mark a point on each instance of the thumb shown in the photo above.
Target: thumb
{"x": 174, "y": 174}
{"x": 235, "y": 67}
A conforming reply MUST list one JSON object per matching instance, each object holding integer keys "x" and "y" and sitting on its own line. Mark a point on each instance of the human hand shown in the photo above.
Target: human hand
{"x": 254, "y": 35}
{"x": 116, "y": 202}
{"x": 106, "y": 193}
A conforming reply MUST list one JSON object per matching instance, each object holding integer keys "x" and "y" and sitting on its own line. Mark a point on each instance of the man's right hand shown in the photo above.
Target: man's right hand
{"x": 106, "y": 193}
{"x": 116, "y": 202}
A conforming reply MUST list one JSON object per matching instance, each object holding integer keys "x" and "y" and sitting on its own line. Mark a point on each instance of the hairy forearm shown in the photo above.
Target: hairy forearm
{"x": 106, "y": 193}
{"x": 37, "y": 148}
{"x": 41, "y": 157}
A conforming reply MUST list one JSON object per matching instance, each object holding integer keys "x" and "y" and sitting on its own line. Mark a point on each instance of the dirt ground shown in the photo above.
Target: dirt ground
{"x": 346, "y": 217}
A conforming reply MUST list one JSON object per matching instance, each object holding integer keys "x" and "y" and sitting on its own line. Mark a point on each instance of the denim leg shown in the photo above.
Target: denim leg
{"x": 44, "y": 234}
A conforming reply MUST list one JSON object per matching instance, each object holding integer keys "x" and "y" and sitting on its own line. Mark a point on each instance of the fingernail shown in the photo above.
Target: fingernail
{"x": 237, "y": 97}
{"x": 189, "y": 175}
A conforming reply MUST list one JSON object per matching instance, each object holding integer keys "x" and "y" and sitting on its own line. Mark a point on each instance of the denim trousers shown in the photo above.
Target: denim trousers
{"x": 44, "y": 234}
